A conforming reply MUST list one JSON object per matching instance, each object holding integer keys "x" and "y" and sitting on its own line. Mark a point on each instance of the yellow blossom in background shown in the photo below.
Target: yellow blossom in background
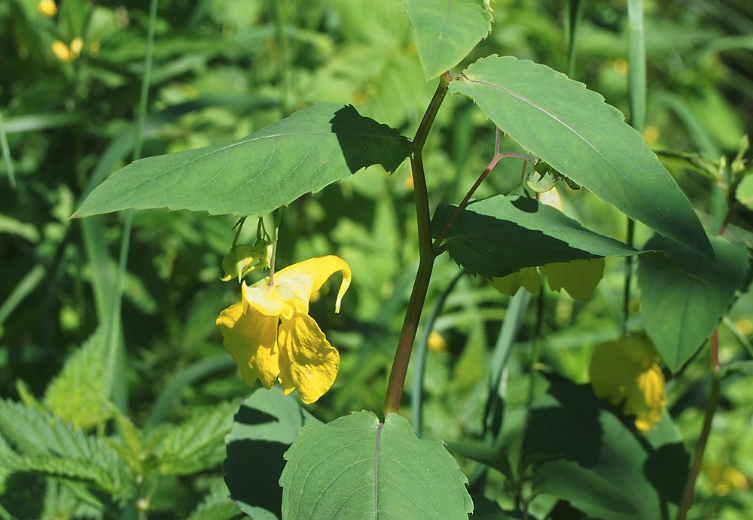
{"x": 436, "y": 342}
{"x": 724, "y": 479}
{"x": 271, "y": 336}
{"x": 65, "y": 53}
{"x": 47, "y": 8}
{"x": 627, "y": 373}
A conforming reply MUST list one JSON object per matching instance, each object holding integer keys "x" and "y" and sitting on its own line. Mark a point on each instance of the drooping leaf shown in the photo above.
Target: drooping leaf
{"x": 500, "y": 235}
{"x": 446, "y": 31}
{"x": 265, "y": 426}
{"x": 590, "y": 457}
{"x": 259, "y": 173}
{"x": 744, "y": 192}
{"x": 357, "y": 467}
{"x": 681, "y": 312}
{"x": 574, "y": 131}
{"x": 77, "y": 394}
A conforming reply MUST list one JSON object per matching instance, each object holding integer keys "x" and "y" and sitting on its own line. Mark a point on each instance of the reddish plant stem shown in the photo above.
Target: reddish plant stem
{"x": 399, "y": 369}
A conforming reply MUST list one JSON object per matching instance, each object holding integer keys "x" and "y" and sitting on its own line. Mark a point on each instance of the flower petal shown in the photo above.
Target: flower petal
{"x": 251, "y": 338}
{"x": 307, "y": 277}
{"x": 269, "y": 301}
{"x": 307, "y": 361}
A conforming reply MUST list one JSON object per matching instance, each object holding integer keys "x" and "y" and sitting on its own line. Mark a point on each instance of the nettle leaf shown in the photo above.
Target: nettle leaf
{"x": 265, "y": 426}
{"x": 574, "y": 131}
{"x": 590, "y": 457}
{"x": 357, "y": 467}
{"x": 680, "y": 312}
{"x": 259, "y": 173}
{"x": 446, "y": 31}
{"x": 76, "y": 395}
{"x": 498, "y": 236}
{"x": 46, "y": 445}
{"x": 196, "y": 444}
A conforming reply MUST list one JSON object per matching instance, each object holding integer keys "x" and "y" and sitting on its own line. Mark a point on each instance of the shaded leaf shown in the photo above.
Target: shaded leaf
{"x": 681, "y": 312}
{"x": 446, "y": 31}
{"x": 573, "y": 130}
{"x": 590, "y": 457}
{"x": 357, "y": 467}
{"x": 265, "y": 426}
{"x": 259, "y": 173}
{"x": 497, "y": 236}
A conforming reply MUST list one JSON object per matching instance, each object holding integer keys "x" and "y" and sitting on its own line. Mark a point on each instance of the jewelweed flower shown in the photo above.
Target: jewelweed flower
{"x": 627, "y": 373}
{"x": 271, "y": 336}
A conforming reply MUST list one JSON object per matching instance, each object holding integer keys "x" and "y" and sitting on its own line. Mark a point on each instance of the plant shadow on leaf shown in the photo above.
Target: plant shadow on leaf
{"x": 264, "y": 428}
{"x": 355, "y": 134}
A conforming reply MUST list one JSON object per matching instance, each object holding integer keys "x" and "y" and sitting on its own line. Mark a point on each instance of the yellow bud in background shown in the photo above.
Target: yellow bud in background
{"x": 76, "y": 45}
{"x": 47, "y": 8}
{"x": 61, "y": 51}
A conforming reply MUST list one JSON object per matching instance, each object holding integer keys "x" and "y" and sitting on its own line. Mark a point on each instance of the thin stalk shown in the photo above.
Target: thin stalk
{"x": 418, "y": 382}
{"x": 275, "y": 228}
{"x": 282, "y": 54}
{"x": 628, "y": 276}
{"x": 399, "y": 369}
{"x": 687, "y": 496}
{"x": 6, "y": 154}
{"x": 489, "y": 167}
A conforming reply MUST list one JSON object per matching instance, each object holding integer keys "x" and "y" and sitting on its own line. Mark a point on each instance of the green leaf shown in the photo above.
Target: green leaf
{"x": 46, "y": 445}
{"x": 259, "y": 173}
{"x": 196, "y": 444}
{"x": 500, "y": 235}
{"x": 744, "y": 192}
{"x": 681, "y": 312}
{"x": 216, "y": 505}
{"x": 579, "y": 277}
{"x": 357, "y": 467}
{"x": 77, "y": 394}
{"x": 264, "y": 428}
{"x": 572, "y": 129}
{"x": 446, "y": 31}
{"x": 593, "y": 459}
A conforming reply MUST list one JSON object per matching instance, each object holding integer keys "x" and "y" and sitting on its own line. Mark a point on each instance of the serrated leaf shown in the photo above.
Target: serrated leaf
{"x": 357, "y": 467}
{"x": 259, "y": 173}
{"x": 216, "y": 505}
{"x": 46, "y": 445}
{"x": 590, "y": 457}
{"x": 196, "y": 444}
{"x": 77, "y": 394}
{"x": 265, "y": 426}
{"x": 681, "y": 312}
{"x": 446, "y": 31}
{"x": 500, "y": 235}
{"x": 573, "y": 130}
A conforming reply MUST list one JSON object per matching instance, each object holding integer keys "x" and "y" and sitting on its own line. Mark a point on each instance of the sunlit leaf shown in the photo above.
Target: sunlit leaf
{"x": 259, "y": 173}
{"x": 573, "y": 130}
{"x": 447, "y": 30}
{"x": 357, "y": 467}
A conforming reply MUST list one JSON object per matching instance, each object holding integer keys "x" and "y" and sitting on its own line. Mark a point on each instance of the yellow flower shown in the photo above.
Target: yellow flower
{"x": 67, "y": 54}
{"x": 47, "y": 8}
{"x": 627, "y": 372}
{"x": 271, "y": 336}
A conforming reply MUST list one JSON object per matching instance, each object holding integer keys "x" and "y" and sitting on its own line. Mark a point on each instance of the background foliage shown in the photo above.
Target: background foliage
{"x": 226, "y": 68}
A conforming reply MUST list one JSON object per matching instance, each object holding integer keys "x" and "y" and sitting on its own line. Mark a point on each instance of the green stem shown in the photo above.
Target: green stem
{"x": 399, "y": 369}
{"x": 687, "y": 496}
{"x": 282, "y": 55}
{"x": 628, "y": 276}
{"x": 6, "y": 154}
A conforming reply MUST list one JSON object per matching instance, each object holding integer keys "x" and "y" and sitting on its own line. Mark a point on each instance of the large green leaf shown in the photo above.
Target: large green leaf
{"x": 573, "y": 130}
{"x": 357, "y": 467}
{"x": 681, "y": 312}
{"x": 603, "y": 467}
{"x": 497, "y": 236}
{"x": 264, "y": 428}
{"x": 446, "y": 31}
{"x": 259, "y": 173}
